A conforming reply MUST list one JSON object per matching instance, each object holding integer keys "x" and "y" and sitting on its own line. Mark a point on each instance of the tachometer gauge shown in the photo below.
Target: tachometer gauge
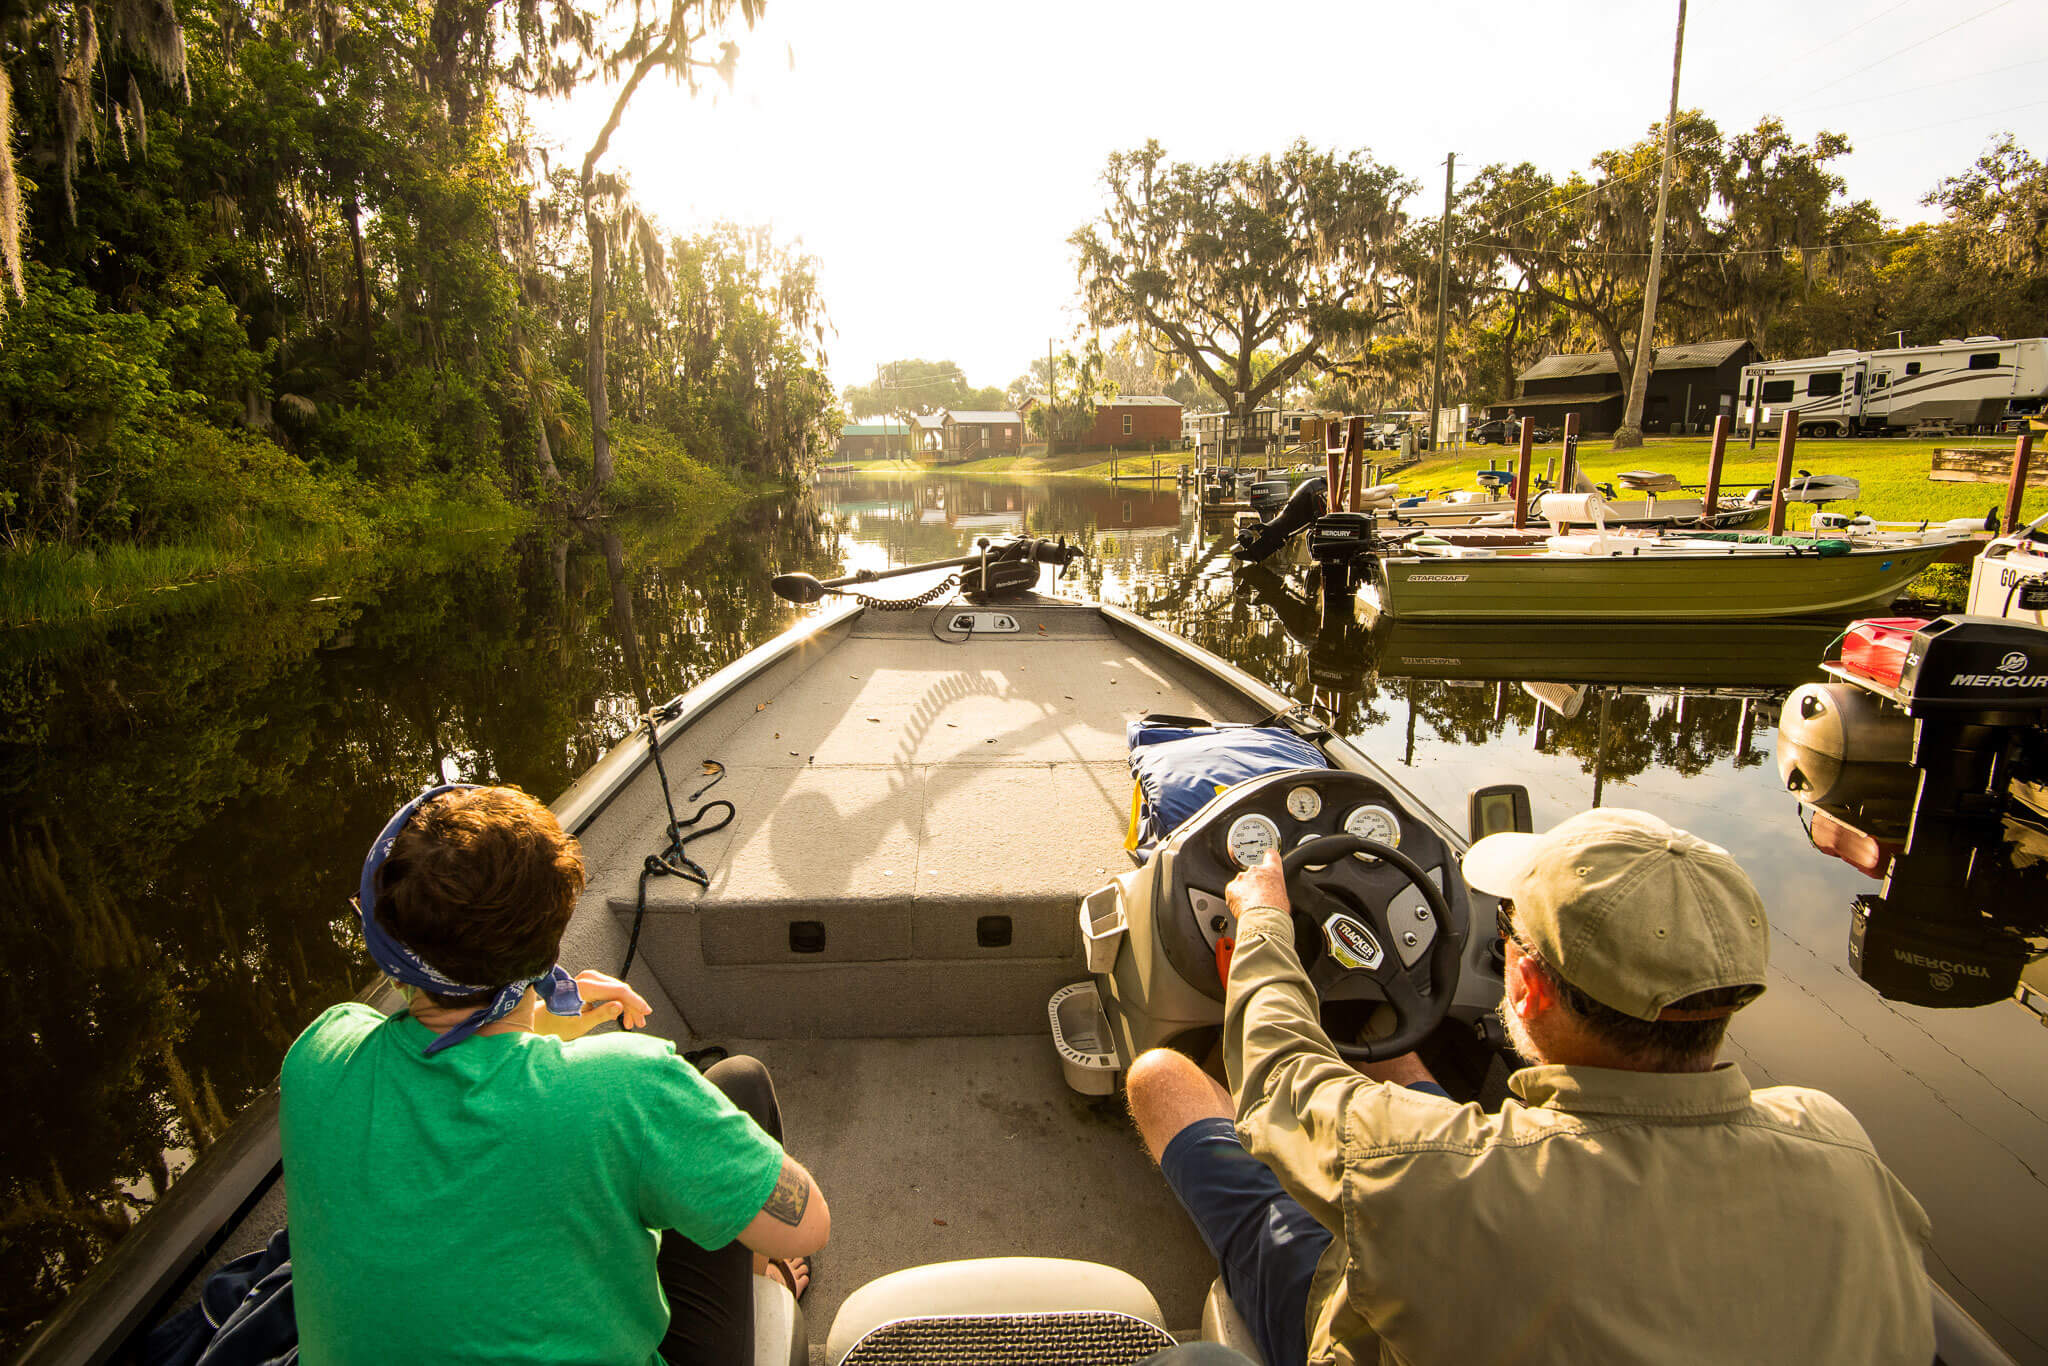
{"x": 1251, "y": 837}
{"x": 1303, "y": 804}
{"x": 1374, "y": 823}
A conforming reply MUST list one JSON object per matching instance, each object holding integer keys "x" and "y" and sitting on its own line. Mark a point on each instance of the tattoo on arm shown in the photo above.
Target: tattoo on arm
{"x": 791, "y": 1196}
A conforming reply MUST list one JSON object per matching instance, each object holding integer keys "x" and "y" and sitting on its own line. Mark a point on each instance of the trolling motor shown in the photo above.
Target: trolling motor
{"x": 997, "y": 569}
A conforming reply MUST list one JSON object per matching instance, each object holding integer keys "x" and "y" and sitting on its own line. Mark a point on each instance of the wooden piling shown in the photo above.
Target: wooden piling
{"x": 1567, "y": 473}
{"x": 1787, "y": 438}
{"x": 1354, "y": 445}
{"x": 1710, "y": 500}
{"x": 2022, "y": 450}
{"x": 1333, "y": 474}
{"x": 1522, "y": 463}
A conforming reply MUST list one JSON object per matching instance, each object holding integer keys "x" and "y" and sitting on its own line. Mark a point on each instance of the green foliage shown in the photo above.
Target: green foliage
{"x": 81, "y": 390}
{"x": 1304, "y": 252}
{"x": 920, "y": 386}
{"x": 655, "y": 472}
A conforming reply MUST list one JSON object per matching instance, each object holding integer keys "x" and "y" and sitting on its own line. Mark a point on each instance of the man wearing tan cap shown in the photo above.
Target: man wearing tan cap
{"x": 1632, "y": 1201}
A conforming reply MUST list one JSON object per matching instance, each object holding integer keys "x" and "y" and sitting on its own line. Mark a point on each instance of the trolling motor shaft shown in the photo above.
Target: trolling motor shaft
{"x": 995, "y": 568}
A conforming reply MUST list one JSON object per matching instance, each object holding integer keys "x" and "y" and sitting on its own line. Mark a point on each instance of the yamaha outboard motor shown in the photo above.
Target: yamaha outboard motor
{"x": 1302, "y": 507}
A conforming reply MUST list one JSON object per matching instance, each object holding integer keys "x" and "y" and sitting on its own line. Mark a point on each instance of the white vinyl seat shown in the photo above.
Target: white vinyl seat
{"x": 1647, "y": 481}
{"x": 780, "y": 1337}
{"x": 999, "y": 1310}
{"x": 1222, "y": 1323}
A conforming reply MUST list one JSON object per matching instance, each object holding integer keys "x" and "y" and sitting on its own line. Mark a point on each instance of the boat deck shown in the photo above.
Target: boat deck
{"x": 922, "y": 817}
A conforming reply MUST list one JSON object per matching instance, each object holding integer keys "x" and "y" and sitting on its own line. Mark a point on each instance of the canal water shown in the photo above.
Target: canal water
{"x": 189, "y": 791}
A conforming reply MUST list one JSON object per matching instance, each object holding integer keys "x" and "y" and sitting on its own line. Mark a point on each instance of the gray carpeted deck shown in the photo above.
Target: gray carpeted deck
{"x": 898, "y": 790}
{"x": 929, "y": 1150}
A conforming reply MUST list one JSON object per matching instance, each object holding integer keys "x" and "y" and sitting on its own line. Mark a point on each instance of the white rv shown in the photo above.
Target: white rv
{"x": 1959, "y": 385}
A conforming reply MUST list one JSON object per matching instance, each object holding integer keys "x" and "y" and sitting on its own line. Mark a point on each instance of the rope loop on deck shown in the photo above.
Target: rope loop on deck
{"x": 672, "y": 860}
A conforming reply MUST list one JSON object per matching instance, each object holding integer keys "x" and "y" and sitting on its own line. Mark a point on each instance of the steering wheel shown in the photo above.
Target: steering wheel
{"x": 1365, "y": 946}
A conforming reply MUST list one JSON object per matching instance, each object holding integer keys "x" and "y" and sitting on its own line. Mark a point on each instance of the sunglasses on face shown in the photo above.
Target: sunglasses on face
{"x": 1504, "y": 922}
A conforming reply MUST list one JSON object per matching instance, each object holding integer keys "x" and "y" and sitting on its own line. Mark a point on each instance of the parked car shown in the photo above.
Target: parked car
{"x": 1504, "y": 431}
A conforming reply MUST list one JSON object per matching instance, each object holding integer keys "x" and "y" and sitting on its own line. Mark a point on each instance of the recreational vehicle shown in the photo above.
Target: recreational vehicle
{"x": 1963, "y": 385}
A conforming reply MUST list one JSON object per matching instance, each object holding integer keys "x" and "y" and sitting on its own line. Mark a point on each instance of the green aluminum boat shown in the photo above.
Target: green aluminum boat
{"x": 1603, "y": 575}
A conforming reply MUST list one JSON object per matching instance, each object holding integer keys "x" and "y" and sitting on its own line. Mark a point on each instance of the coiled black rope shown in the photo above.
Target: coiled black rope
{"x": 673, "y": 860}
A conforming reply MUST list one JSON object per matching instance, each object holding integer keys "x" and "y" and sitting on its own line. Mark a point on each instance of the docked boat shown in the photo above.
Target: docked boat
{"x": 2010, "y": 579}
{"x": 921, "y": 800}
{"x": 1605, "y": 574}
{"x": 1659, "y": 500}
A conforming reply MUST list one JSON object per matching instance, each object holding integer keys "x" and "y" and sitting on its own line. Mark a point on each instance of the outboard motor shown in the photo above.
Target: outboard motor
{"x": 1342, "y": 544}
{"x": 1908, "y": 760}
{"x": 1302, "y": 507}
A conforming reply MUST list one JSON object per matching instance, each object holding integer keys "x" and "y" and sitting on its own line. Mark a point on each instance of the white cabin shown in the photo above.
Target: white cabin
{"x": 1973, "y": 383}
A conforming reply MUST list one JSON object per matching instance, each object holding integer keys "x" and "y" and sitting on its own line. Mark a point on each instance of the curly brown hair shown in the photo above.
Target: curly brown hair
{"x": 480, "y": 884}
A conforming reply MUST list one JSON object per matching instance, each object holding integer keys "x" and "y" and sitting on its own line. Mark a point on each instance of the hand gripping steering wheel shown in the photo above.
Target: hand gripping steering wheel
{"x": 1366, "y": 945}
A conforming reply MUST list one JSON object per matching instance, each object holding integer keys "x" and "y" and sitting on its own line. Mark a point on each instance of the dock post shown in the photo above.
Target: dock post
{"x": 1756, "y": 414}
{"x": 2022, "y": 449}
{"x": 1787, "y": 439}
{"x": 1522, "y": 463}
{"x": 1710, "y": 500}
{"x": 1567, "y": 475}
{"x": 1333, "y": 474}
{"x": 1355, "y": 476}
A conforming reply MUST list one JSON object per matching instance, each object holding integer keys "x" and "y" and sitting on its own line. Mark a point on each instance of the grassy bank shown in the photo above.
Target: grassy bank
{"x": 1073, "y": 464}
{"x": 46, "y": 584}
{"x": 1893, "y": 472}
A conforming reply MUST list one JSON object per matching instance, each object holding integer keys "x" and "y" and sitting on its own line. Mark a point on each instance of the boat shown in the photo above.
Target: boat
{"x": 1663, "y": 502}
{"x": 2010, "y": 578}
{"x": 906, "y": 909}
{"x": 1613, "y": 575}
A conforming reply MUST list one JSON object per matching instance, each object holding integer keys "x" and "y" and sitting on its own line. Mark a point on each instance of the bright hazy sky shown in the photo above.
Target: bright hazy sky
{"x": 934, "y": 155}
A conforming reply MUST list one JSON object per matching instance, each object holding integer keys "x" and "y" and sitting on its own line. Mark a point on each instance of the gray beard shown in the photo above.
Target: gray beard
{"x": 1517, "y": 1032}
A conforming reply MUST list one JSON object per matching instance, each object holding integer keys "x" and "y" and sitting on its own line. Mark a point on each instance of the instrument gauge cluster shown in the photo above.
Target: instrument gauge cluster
{"x": 1374, "y": 823}
{"x": 1249, "y": 839}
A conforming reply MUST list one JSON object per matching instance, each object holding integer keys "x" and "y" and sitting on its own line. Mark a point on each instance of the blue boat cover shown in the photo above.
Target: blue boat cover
{"x": 1179, "y": 769}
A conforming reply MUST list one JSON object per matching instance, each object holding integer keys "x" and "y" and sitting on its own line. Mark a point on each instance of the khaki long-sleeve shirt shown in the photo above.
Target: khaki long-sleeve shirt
{"x": 1604, "y": 1216}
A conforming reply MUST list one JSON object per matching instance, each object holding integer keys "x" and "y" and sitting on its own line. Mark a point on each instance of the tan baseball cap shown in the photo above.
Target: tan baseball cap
{"x": 1633, "y": 912}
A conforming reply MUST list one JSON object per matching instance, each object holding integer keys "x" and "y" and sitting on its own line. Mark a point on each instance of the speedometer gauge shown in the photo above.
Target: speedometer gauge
{"x": 1374, "y": 823}
{"x": 1303, "y": 804}
{"x": 1250, "y": 838}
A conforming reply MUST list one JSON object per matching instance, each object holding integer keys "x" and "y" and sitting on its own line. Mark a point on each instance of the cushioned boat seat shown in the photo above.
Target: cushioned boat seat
{"x": 1645, "y": 481}
{"x": 999, "y": 1310}
{"x": 1222, "y": 1323}
{"x": 780, "y": 1338}
{"x": 1573, "y": 507}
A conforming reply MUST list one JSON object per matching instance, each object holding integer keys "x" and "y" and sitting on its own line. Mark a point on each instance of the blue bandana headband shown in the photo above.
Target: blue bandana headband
{"x": 556, "y": 988}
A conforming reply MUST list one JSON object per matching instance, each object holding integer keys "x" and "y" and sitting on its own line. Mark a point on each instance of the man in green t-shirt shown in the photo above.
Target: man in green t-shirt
{"x": 474, "y": 1180}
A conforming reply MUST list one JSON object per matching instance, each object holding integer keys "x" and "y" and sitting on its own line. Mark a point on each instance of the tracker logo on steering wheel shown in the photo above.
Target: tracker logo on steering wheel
{"x": 1351, "y": 943}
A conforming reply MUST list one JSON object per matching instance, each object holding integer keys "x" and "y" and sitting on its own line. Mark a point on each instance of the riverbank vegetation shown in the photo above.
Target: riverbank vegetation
{"x": 284, "y": 282}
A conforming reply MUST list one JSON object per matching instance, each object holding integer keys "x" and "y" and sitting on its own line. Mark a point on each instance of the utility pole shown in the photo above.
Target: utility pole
{"x": 1630, "y": 434}
{"x": 1443, "y": 262}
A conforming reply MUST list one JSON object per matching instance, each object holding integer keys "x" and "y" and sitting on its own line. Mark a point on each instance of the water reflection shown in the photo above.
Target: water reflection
{"x": 187, "y": 798}
{"x": 186, "y": 802}
{"x": 1681, "y": 720}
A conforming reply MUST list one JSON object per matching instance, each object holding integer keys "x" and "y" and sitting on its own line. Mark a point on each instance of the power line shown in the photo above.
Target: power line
{"x": 1923, "y": 42}
{"x": 1900, "y": 238}
{"x": 1811, "y": 52}
{"x": 1966, "y": 118}
{"x": 1930, "y": 85}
